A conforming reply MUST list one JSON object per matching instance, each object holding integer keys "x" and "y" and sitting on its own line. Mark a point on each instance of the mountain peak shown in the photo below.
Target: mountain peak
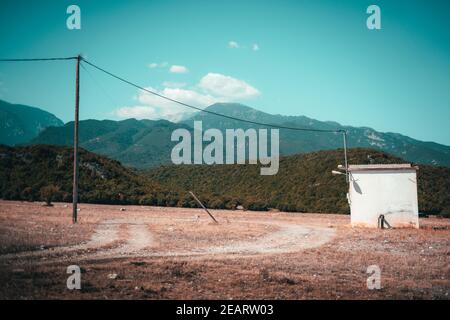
{"x": 21, "y": 123}
{"x": 230, "y": 106}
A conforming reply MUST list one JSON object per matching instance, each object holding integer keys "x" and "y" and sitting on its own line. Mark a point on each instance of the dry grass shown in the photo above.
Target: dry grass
{"x": 414, "y": 263}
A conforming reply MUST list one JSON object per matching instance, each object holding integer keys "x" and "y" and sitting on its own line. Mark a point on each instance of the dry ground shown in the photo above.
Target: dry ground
{"x": 175, "y": 253}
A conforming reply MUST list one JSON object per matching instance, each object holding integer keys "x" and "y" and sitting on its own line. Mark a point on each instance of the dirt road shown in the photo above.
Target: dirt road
{"x": 176, "y": 253}
{"x": 136, "y": 240}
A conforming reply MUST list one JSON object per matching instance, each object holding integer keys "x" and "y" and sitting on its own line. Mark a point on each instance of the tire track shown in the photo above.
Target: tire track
{"x": 139, "y": 242}
{"x": 105, "y": 235}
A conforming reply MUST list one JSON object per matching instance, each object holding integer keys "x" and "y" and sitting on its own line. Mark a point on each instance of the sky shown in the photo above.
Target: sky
{"x": 312, "y": 58}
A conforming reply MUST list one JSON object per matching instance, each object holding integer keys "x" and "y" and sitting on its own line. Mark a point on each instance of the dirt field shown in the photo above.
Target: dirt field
{"x": 134, "y": 252}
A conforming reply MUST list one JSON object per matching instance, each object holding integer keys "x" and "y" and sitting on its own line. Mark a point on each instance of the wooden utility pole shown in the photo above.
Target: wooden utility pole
{"x": 345, "y": 155}
{"x": 75, "y": 142}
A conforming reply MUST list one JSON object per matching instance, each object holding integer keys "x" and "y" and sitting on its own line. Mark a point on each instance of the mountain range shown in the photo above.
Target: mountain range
{"x": 146, "y": 143}
{"x": 20, "y": 123}
{"x": 135, "y": 143}
{"x": 292, "y": 142}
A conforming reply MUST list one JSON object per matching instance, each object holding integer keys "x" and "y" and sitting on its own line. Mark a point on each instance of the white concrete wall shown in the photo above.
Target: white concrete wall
{"x": 389, "y": 192}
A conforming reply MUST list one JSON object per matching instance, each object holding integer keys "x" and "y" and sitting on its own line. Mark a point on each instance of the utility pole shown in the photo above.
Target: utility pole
{"x": 75, "y": 142}
{"x": 344, "y": 134}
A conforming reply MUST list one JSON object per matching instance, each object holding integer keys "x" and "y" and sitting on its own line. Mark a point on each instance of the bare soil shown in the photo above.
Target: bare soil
{"x": 137, "y": 252}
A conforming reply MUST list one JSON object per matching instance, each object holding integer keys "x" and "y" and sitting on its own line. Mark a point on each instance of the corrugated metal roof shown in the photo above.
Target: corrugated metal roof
{"x": 368, "y": 167}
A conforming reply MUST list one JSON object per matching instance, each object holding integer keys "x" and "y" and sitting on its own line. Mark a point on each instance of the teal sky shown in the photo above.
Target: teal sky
{"x": 314, "y": 58}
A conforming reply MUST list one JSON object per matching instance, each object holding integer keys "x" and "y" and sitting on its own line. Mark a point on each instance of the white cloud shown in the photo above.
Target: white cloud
{"x": 233, "y": 45}
{"x": 227, "y": 87}
{"x": 185, "y": 95}
{"x": 153, "y": 107}
{"x": 138, "y": 112}
{"x": 212, "y": 88}
{"x": 178, "y": 69}
{"x": 155, "y": 65}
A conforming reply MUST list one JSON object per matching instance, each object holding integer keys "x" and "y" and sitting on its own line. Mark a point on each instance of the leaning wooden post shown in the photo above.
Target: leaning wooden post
{"x": 201, "y": 204}
{"x": 75, "y": 142}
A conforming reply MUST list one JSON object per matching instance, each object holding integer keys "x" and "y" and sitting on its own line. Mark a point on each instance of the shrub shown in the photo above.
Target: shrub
{"x": 48, "y": 193}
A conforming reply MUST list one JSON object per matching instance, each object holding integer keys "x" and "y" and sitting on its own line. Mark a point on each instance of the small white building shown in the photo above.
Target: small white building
{"x": 383, "y": 190}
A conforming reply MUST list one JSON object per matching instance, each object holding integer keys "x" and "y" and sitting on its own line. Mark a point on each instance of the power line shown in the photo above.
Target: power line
{"x": 173, "y": 100}
{"x": 208, "y": 111}
{"x": 111, "y": 100}
{"x": 80, "y": 59}
{"x": 37, "y": 59}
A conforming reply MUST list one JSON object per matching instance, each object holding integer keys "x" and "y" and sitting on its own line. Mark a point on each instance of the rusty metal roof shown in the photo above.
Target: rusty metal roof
{"x": 370, "y": 167}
